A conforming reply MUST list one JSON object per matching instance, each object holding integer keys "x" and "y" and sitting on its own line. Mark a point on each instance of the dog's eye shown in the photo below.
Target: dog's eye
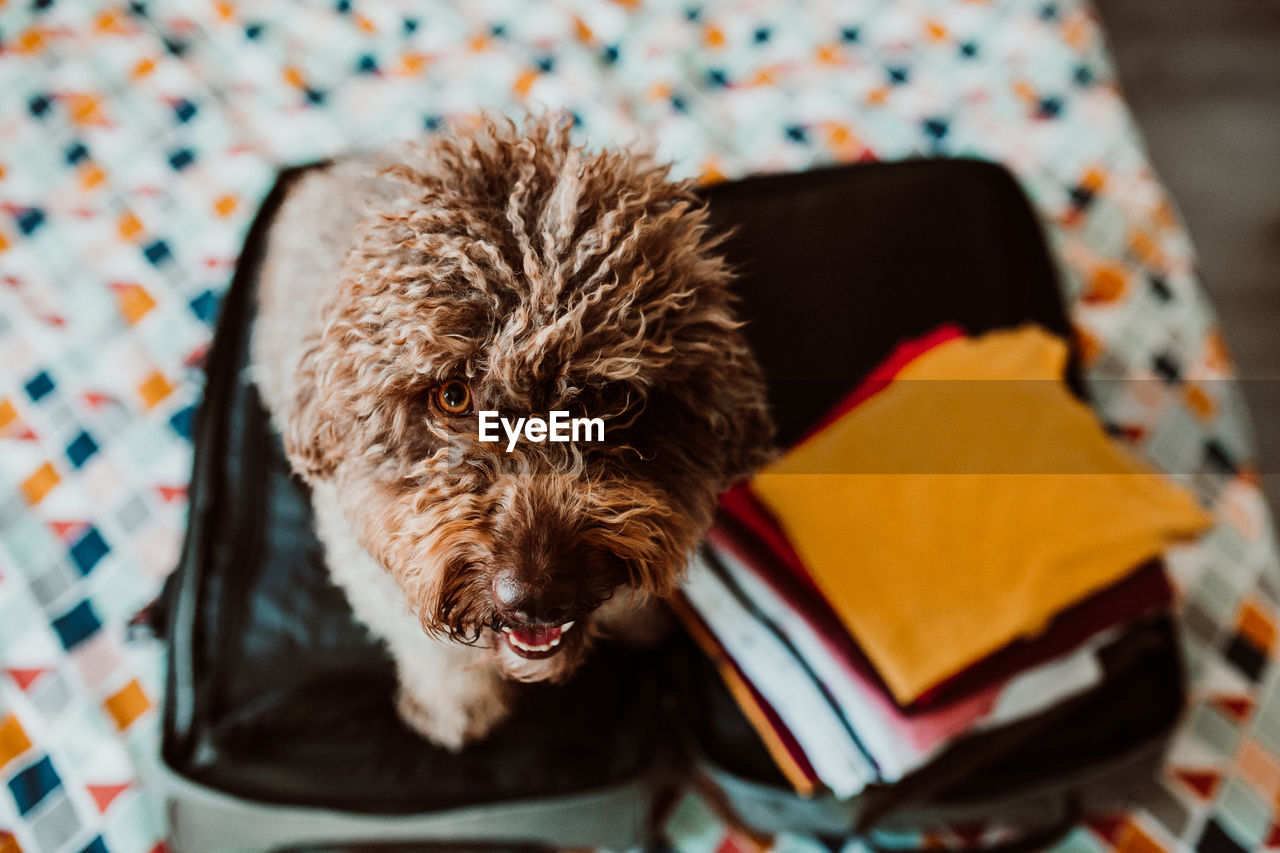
{"x": 453, "y": 397}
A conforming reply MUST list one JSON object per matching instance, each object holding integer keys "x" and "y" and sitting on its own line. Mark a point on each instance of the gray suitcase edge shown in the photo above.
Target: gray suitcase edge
{"x": 770, "y": 810}
{"x": 205, "y": 820}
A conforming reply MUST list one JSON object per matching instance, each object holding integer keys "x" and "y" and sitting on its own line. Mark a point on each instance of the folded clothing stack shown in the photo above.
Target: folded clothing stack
{"x": 945, "y": 553}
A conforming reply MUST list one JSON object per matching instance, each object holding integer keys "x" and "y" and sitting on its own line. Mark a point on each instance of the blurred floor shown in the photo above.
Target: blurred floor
{"x": 1203, "y": 77}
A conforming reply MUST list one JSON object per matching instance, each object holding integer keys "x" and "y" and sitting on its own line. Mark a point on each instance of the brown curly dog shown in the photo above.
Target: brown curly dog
{"x": 502, "y": 269}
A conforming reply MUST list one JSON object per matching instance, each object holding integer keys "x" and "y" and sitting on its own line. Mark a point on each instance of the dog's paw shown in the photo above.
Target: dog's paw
{"x": 451, "y": 724}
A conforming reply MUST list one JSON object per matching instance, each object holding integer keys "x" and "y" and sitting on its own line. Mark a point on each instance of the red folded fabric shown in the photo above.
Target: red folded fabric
{"x": 883, "y": 374}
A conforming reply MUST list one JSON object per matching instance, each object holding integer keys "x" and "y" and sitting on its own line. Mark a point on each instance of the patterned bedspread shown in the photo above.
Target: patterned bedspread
{"x": 137, "y": 139}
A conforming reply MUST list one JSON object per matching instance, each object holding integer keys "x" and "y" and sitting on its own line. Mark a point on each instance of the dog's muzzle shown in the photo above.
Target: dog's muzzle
{"x": 535, "y": 617}
{"x": 536, "y": 641}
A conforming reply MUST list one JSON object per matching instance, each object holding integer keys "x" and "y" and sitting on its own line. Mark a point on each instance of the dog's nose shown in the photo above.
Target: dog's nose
{"x": 549, "y": 601}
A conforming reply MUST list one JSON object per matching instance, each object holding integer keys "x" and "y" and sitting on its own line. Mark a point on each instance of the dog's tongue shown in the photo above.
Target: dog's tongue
{"x": 537, "y": 635}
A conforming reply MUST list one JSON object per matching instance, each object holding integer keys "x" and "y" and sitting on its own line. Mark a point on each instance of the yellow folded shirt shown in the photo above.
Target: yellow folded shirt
{"x": 956, "y": 511}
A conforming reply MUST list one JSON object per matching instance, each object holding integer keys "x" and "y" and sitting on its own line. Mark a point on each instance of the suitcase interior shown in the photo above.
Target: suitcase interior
{"x": 276, "y": 694}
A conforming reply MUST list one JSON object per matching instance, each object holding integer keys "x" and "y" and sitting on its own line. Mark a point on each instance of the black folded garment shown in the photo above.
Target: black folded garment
{"x": 277, "y": 698}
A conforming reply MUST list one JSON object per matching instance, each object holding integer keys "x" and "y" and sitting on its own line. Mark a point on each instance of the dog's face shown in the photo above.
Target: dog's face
{"x": 520, "y": 274}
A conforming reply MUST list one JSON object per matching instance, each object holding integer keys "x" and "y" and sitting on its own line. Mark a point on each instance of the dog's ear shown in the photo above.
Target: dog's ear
{"x": 743, "y": 409}
{"x": 723, "y": 394}
{"x": 317, "y": 429}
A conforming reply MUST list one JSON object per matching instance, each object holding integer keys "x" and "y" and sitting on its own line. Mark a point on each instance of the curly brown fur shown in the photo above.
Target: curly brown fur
{"x": 546, "y": 277}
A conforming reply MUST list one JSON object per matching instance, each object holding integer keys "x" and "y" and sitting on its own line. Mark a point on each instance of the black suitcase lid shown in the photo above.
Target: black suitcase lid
{"x": 837, "y": 267}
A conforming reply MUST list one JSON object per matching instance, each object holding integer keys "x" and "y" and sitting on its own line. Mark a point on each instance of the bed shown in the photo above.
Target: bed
{"x": 137, "y": 140}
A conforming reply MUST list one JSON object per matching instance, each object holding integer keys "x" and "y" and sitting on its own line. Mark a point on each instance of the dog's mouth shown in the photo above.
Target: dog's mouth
{"x": 536, "y": 641}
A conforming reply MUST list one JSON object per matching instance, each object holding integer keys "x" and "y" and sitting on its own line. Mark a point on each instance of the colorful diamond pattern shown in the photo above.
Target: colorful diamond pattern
{"x": 140, "y": 137}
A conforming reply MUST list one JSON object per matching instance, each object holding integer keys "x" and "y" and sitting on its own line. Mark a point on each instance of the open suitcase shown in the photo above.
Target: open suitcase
{"x": 279, "y": 729}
